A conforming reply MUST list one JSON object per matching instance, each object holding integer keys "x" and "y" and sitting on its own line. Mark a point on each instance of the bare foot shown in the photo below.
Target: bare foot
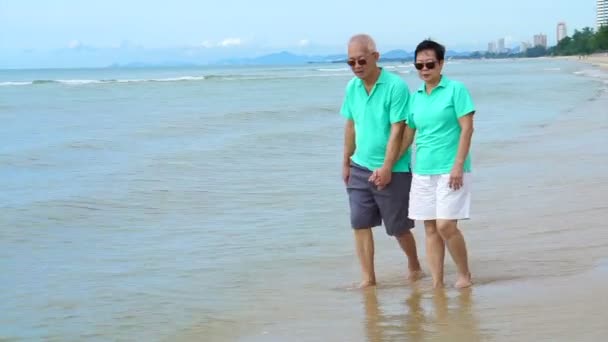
{"x": 367, "y": 283}
{"x": 463, "y": 281}
{"x": 438, "y": 285}
{"x": 415, "y": 275}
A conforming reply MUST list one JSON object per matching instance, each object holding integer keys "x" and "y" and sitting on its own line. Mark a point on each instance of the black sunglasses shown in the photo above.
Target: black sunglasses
{"x": 428, "y": 65}
{"x": 353, "y": 62}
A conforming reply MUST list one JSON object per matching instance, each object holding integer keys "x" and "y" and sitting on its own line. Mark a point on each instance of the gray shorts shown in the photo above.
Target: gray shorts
{"x": 370, "y": 207}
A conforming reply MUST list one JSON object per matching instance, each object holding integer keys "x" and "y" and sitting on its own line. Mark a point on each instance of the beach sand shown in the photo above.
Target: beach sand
{"x": 600, "y": 60}
{"x": 542, "y": 276}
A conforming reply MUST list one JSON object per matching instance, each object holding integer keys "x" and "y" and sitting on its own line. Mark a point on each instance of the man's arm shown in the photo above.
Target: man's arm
{"x": 382, "y": 176}
{"x": 349, "y": 141}
{"x": 408, "y": 139}
{"x": 349, "y": 148}
{"x": 398, "y": 116}
{"x": 394, "y": 145}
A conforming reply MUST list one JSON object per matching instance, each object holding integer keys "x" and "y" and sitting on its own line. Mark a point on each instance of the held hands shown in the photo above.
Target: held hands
{"x": 456, "y": 176}
{"x": 381, "y": 177}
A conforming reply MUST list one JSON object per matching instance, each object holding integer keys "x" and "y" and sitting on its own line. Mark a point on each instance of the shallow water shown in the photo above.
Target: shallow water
{"x": 212, "y": 209}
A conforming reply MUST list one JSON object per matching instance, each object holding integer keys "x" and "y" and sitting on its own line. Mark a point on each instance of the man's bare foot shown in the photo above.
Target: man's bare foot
{"x": 415, "y": 275}
{"x": 463, "y": 281}
{"x": 367, "y": 283}
{"x": 438, "y": 284}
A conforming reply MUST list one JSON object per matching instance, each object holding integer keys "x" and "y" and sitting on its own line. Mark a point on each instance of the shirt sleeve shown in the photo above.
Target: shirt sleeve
{"x": 409, "y": 120}
{"x": 346, "y": 107}
{"x": 399, "y": 108}
{"x": 345, "y": 110}
{"x": 463, "y": 103}
{"x": 410, "y": 115}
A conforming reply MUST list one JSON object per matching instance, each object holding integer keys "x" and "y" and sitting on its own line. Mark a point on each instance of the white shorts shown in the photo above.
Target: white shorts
{"x": 431, "y": 198}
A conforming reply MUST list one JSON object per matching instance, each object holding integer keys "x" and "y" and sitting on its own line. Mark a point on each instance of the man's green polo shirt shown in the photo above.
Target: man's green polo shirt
{"x": 373, "y": 115}
{"x": 435, "y": 118}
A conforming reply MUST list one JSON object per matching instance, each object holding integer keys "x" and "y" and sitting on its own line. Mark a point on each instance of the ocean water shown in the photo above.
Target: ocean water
{"x": 206, "y": 204}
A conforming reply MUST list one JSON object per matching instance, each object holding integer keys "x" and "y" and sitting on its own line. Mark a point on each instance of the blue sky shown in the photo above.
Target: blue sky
{"x": 89, "y": 33}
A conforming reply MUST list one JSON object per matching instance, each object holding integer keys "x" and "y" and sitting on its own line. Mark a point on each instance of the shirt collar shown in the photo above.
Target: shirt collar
{"x": 381, "y": 78}
{"x": 443, "y": 82}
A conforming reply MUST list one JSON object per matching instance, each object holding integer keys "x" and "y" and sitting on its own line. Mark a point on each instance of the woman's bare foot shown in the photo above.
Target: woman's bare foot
{"x": 367, "y": 283}
{"x": 463, "y": 281}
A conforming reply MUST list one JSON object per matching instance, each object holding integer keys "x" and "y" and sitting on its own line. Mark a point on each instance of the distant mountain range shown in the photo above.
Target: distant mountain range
{"x": 167, "y": 64}
{"x": 133, "y": 56}
{"x": 285, "y": 57}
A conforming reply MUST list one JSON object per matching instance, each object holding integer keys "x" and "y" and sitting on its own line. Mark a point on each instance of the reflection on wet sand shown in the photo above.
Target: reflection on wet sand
{"x": 428, "y": 315}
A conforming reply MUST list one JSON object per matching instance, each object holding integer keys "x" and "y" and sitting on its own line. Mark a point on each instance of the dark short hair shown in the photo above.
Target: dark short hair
{"x": 428, "y": 44}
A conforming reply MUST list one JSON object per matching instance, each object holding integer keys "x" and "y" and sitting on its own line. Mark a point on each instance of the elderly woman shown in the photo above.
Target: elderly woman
{"x": 441, "y": 119}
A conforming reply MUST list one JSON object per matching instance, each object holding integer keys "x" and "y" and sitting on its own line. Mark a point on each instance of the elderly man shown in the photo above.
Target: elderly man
{"x": 376, "y": 175}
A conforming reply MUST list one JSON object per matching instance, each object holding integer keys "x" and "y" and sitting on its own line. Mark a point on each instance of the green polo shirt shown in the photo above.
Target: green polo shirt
{"x": 373, "y": 115}
{"x": 435, "y": 118}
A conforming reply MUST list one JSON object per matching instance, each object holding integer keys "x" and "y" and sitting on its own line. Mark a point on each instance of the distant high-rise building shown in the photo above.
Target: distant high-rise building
{"x": 540, "y": 40}
{"x": 562, "y": 31}
{"x": 492, "y": 47}
{"x": 602, "y": 13}
{"x": 501, "y": 45}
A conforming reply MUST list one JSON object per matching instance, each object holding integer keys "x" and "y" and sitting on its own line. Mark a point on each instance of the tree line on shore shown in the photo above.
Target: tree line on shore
{"x": 584, "y": 42}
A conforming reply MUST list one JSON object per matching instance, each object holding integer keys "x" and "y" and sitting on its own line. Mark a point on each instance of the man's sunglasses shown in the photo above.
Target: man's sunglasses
{"x": 353, "y": 62}
{"x": 428, "y": 65}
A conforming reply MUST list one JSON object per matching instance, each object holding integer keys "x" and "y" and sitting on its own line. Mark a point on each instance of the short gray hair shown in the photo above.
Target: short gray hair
{"x": 364, "y": 40}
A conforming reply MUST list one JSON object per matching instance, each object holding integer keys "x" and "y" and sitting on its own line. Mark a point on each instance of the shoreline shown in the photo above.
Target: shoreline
{"x": 544, "y": 262}
{"x": 599, "y": 60}
{"x": 282, "y": 262}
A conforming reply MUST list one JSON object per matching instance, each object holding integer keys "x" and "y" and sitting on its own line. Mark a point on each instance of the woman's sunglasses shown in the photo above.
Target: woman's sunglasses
{"x": 428, "y": 65}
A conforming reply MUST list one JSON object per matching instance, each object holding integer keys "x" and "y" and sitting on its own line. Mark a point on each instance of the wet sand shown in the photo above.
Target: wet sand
{"x": 147, "y": 212}
{"x": 538, "y": 245}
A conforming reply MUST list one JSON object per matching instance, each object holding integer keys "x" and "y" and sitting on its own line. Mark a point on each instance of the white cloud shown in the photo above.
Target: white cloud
{"x": 304, "y": 42}
{"x": 207, "y": 44}
{"x": 74, "y": 44}
{"x": 231, "y": 42}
